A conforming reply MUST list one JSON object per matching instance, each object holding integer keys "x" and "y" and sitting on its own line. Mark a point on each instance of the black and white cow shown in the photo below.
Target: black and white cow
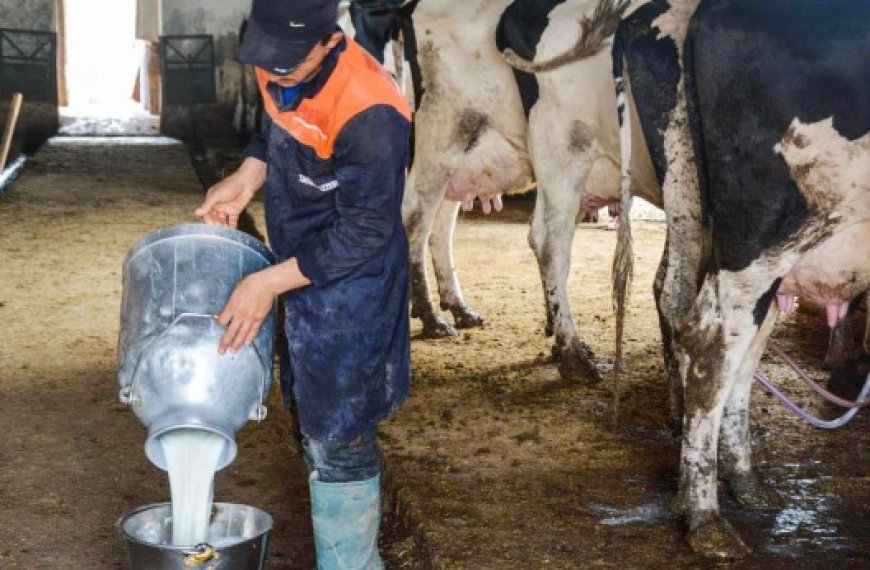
{"x": 764, "y": 113}
{"x": 478, "y": 135}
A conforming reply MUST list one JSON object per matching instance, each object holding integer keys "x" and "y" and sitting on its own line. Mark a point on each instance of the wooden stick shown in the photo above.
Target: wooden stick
{"x": 11, "y": 119}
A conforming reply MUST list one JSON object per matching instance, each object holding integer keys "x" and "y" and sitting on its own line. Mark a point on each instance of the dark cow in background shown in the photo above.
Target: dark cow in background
{"x": 777, "y": 108}
{"x": 844, "y": 358}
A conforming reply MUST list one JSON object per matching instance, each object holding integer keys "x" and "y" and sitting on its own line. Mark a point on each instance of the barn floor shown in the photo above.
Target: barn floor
{"x": 493, "y": 462}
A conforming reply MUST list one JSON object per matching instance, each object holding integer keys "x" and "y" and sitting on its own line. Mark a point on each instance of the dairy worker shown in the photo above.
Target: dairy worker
{"x": 331, "y": 158}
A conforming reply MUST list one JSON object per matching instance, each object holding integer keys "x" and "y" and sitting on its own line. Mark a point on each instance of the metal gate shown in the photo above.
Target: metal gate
{"x": 187, "y": 64}
{"x": 28, "y": 64}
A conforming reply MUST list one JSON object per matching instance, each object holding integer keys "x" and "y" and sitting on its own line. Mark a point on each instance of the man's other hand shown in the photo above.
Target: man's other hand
{"x": 244, "y": 313}
{"x": 226, "y": 200}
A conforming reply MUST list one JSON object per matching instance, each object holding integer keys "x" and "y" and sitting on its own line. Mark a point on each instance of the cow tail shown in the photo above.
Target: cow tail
{"x": 623, "y": 259}
{"x": 595, "y": 30}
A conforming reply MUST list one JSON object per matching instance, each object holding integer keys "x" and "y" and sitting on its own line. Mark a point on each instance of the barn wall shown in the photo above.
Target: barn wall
{"x": 37, "y": 121}
{"x": 27, "y": 14}
{"x": 235, "y": 86}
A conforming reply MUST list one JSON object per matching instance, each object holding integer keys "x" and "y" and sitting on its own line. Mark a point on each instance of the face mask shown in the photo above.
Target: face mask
{"x": 288, "y": 93}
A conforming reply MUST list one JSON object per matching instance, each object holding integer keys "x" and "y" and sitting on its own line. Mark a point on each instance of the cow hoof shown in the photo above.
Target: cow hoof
{"x": 752, "y": 493}
{"x": 437, "y": 327}
{"x": 576, "y": 363}
{"x": 465, "y": 317}
{"x": 716, "y": 538}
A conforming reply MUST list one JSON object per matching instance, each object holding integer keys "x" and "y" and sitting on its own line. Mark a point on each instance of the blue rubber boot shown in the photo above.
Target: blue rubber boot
{"x": 346, "y": 518}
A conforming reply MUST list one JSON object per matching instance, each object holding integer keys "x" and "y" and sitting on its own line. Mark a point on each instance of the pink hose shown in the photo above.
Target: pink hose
{"x": 809, "y": 418}
{"x": 810, "y": 382}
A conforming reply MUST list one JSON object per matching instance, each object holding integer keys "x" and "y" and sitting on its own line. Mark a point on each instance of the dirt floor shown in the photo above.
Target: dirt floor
{"x": 506, "y": 466}
{"x": 71, "y": 461}
{"x": 494, "y": 462}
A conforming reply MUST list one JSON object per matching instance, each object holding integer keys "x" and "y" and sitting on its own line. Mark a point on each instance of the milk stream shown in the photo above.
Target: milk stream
{"x": 191, "y": 460}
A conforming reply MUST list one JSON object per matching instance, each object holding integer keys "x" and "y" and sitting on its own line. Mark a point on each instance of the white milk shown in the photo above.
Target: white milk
{"x": 191, "y": 459}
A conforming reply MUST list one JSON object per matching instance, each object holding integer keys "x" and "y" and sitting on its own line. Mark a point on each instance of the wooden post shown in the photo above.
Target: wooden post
{"x": 62, "y": 86}
{"x": 11, "y": 119}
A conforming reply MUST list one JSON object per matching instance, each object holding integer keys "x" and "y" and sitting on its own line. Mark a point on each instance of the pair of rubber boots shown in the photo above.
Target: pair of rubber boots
{"x": 346, "y": 518}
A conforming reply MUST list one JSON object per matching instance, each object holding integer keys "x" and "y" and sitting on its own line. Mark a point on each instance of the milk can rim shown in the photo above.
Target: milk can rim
{"x": 200, "y": 230}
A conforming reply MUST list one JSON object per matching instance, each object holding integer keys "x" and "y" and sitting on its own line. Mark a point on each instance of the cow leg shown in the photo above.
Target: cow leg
{"x": 841, "y": 348}
{"x": 441, "y": 248}
{"x": 718, "y": 335}
{"x": 423, "y": 196}
{"x": 550, "y": 237}
{"x": 668, "y": 331}
{"x": 676, "y": 287}
{"x": 843, "y": 358}
{"x": 676, "y": 284}
{"x": 735, "y": 461}
{"x": 680, "y": 270}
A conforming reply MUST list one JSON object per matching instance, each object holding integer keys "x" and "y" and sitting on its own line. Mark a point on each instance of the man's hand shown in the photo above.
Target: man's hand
{"x": 252, "y": 300}
{"x": 226, "y": 200}
{"x": 244, "y": 313}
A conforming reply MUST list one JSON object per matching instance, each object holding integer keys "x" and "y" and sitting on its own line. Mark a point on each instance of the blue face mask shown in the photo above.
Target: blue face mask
{"x": 288, "y": 93}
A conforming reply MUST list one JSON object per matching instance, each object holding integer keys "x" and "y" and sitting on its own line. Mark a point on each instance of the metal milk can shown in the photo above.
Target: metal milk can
{"x": 175, "y": 280}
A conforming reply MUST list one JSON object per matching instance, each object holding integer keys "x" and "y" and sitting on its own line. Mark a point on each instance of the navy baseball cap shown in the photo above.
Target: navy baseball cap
{"x": 280, "y": 34}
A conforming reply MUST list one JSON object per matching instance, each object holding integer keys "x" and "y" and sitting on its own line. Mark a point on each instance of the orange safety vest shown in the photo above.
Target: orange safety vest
{"x": 357, "y": 83}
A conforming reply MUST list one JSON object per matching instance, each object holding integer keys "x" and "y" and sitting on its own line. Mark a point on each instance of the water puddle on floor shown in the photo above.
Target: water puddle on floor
{"x": 808, "y": 522}
{"x": 646, "y": 513}
{"x": 815, "y": 522}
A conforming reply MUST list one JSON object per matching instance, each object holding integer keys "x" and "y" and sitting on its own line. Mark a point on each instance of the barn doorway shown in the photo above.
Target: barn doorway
{"x": 107, "y": 82}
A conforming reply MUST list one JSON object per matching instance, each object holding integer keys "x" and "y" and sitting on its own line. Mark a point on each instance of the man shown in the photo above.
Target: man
{"x": 332, "y": 158}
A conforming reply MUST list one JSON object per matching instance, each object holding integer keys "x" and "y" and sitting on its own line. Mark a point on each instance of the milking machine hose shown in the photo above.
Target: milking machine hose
{"x": 820, "y": 423}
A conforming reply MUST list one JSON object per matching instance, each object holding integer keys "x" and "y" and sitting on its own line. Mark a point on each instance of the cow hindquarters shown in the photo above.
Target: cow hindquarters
{"x": 441, "y": 247}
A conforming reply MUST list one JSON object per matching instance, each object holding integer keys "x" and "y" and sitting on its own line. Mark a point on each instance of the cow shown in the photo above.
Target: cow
{"x": 669, "y": 169}
{"x": 763, "y": 110}
{"x": 844, "y": 357}
{"x": 484, "y": 128}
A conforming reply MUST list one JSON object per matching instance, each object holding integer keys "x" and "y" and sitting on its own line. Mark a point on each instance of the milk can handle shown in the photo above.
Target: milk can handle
{"x": 127, "y": 394}
{"x": 259, "y": 413}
